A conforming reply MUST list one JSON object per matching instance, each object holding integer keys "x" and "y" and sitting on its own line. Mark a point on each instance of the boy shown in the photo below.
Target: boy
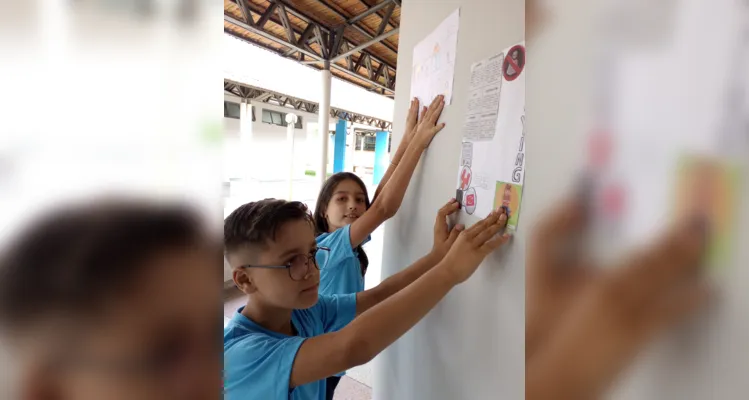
{"x": 287, "y": 339}
{"x": 93, "y": 304}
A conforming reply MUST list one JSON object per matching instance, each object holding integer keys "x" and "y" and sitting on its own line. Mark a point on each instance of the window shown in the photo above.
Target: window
{"x": 279, "y": 118}
{"x": 359, "y": 140}
{"x": 369, "y": 143}
{"x": 231, "y": 110}
{"x": 390, "y": 140}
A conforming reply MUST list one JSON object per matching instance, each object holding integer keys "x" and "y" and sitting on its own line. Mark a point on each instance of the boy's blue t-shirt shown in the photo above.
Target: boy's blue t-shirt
{"x": 340, "y": 272}
{"x": 258, "y": 362}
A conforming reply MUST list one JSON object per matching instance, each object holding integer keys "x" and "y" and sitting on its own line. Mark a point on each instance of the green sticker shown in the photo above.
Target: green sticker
{"x": 710, "y": 187}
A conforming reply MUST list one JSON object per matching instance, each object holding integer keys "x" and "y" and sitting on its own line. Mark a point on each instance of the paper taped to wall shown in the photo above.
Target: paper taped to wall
{"x": 494, "y": 130}
{"x": 433, "y": 66}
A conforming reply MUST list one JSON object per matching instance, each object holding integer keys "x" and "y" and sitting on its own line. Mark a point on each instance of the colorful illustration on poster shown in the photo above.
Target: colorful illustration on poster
{"x": 514, "y": 63}
{"x": 465, "y": 177}
{"x": 708, "y": 188}
{"x": 470, "y": 200}
{"x": 508, "y": 196}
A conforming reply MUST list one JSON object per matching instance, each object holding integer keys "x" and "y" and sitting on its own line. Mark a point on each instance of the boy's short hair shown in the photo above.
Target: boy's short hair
{"x": 73, "y": 259}
{"x": 256, "y": 223}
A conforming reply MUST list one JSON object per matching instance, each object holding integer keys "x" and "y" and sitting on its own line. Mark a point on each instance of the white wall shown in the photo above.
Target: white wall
{"x": 471, "y": 346}
{"x": 270, "y": 141}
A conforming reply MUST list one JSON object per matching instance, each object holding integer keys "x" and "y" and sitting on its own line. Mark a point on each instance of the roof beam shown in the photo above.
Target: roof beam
{"x": 311, "y": 54}
{"x": 367, "y": 44}
{"x": 266, "y": 96}
{"x": 266, "y": 35}
{"x": 285, "y": 22}
{"x": 266, "y": 15}
{"x": 326, "y": 31}
{"x": 385, "y": 19}
{"x": 369, "y": 12}
{"x": 361, "y": 30}
{"x": 246, "y": 13}
{"x": 327, "y": 39}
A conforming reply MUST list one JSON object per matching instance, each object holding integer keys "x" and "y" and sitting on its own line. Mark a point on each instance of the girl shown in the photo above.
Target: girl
{"x": 344, "y": 217}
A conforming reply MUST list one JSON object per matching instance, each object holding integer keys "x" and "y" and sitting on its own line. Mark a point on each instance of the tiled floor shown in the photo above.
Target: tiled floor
{"x": 357, "y": 385}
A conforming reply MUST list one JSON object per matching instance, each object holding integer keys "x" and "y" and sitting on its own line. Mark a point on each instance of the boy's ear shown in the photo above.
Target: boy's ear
{"x": 243, "y": 279}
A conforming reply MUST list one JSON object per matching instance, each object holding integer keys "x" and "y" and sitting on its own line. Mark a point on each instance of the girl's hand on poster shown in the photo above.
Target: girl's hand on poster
{"x": 412, "y": 120}
{"x": 427, "y": 126}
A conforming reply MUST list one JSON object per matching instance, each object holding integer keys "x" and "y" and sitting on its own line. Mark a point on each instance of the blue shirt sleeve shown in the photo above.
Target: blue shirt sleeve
{"x": 258, "y": 367}
{"x": 336, "y": 311}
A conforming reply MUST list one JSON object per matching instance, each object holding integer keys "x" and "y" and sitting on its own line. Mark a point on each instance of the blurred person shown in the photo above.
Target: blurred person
{"x": 288, "y": 339}
{"x": 344, "y": 218}
{"x": 585, "y": 323}
{"x": 93, "y": 304}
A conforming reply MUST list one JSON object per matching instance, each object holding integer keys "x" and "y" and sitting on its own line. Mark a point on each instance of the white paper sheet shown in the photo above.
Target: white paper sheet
{"x": 491, "y": 174}
{"x": 434, "y": 62}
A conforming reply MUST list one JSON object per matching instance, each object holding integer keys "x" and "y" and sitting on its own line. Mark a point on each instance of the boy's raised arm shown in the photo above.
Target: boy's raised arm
{"x": 374, "y": 330}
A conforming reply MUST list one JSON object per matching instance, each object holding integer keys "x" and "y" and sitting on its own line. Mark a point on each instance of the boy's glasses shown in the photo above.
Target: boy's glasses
{"x": 298, "y": 266}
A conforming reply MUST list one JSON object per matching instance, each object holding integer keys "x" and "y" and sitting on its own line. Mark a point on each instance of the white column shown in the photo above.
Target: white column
{"x": 350, "y": 144}
{"x": 324, "y": 124}
{"x": 245, "y": 137}
{"x": 290, "y": 121}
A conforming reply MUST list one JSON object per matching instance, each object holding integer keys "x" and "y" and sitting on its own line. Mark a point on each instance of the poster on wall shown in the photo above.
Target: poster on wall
{"x": 433, "y": 66}
{"x": 492, "y": 166}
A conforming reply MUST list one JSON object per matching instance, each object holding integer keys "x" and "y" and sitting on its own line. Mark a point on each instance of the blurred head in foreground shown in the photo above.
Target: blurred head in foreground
{"x": 113, "y": 300}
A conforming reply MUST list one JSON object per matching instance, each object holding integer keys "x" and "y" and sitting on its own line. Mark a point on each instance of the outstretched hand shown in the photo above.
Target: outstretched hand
{"x": 474, "y": 244}
{"x": 444, "y": 237}
{"x": 412, "y": 120}
{"x": 585, "y": 324}
{"x": 427, "y": 126}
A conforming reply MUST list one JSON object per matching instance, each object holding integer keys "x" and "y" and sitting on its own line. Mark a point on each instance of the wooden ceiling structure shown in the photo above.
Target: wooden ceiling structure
{"x": 357, "y": 39}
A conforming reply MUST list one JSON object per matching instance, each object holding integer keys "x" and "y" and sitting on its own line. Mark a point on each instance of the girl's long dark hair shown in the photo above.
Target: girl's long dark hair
{"x": 326, "y": 193}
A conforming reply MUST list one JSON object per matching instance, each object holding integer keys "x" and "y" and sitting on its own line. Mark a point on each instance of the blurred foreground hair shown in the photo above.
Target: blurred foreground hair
{"x": 70, "y": 261}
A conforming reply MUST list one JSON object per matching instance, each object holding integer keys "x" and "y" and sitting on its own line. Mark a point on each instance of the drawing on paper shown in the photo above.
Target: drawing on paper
{"x": 707, "y": 187}
{"x": 508, "y": 197}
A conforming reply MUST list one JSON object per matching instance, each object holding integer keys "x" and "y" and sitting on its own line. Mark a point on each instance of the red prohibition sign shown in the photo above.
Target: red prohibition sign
{"x": 514, "y": 63}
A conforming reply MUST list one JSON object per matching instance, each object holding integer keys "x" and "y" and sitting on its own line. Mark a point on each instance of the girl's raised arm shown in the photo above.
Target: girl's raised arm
{"x": 390, "y": 198}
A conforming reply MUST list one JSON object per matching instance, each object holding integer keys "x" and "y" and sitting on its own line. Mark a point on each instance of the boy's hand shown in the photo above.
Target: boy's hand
{"x": 473, "y": 245}
{"x": 427, "y": 126}
{"x": 444, "y": 237}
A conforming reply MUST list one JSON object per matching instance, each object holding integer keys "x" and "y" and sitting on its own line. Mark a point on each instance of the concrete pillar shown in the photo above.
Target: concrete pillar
{"x": 339, "y": 156}
{"x": 381, "y": 157}
{"x": 290, "y": 121}
{"x": 323, "y": 123}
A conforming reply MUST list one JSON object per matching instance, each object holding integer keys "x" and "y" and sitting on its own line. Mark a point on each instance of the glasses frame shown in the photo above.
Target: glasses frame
{"x": 312, "y": 258}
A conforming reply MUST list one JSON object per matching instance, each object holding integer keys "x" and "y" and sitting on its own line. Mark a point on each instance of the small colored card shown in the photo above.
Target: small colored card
{"x": 710, "y": 187}
{"x": 509, "y": 196}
